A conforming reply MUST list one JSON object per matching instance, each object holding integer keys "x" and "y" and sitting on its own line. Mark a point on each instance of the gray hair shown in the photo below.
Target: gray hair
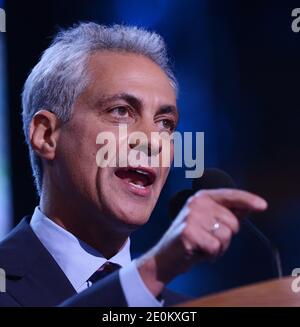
{"x": 61, "y": 74}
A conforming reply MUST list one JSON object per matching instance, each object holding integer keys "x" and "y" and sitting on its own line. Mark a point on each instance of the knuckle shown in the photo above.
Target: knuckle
{"x": 215, "y": 247}
{"x": 229, "y": 192}
{"x": 199, "y": 199}
{"x": 201, "y": 195}
{"x": 227, "y": 234}
{"x": 190, "y": 199}
{"x": 188, "y": 241}
{"x": 232, "y": 222}
{"x": 187, "y": 235}
{"x": 191, "y": 203}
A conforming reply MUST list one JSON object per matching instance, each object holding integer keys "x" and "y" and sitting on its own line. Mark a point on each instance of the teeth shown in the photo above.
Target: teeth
{"x": 137, "y": 185}
{"x": 142, "y": 172}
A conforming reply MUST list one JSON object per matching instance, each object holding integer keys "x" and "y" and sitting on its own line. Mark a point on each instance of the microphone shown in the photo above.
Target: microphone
{"x": 214, "y": 178}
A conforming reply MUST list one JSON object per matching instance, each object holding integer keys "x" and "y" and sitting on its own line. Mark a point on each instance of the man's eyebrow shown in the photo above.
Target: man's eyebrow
{"x": 168, "y": 109}
{"x": 131, "y": 99}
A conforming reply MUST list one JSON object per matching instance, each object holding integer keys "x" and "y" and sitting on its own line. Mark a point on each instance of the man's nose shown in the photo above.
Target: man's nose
{"x": 150, "y": 143}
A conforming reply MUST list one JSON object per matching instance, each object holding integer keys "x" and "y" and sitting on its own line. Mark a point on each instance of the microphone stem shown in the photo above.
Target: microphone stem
{"x": 273, "y": 249}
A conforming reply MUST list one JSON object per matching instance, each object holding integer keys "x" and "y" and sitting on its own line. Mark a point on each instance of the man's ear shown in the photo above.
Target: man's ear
{"x": 43, "y": 134}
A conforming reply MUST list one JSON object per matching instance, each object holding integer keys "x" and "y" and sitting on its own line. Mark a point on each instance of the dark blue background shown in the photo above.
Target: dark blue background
{"x": 238, "y": 65}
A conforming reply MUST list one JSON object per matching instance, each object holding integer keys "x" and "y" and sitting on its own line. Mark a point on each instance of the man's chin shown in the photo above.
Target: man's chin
{"x": 132, "y": 219}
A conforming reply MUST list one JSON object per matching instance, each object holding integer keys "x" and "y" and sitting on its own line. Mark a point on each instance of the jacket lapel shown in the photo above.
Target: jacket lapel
{"x": 33, "y": 276}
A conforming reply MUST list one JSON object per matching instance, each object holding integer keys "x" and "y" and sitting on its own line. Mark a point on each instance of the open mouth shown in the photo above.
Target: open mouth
{"x": 139, "y": 177}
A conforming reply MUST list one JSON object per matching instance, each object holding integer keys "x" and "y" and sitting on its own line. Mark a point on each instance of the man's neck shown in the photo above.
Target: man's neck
{"x": 106, "y": 239}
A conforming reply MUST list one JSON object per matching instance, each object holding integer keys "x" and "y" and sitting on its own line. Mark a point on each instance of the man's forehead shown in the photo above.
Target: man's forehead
{"x": 112, "y": 74}
{"x": 119, "y": 62}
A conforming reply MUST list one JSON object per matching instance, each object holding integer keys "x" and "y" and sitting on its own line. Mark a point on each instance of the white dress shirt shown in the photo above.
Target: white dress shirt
{"x": 79, "y": 261}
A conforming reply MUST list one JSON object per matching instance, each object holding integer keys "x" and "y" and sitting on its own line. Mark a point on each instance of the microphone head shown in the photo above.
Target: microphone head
{"x": 213, "y": 178}
{"x": 177, "y": 202}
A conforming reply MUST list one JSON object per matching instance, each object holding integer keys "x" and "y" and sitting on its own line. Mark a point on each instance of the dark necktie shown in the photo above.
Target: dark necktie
{"x": 106, "y": 269}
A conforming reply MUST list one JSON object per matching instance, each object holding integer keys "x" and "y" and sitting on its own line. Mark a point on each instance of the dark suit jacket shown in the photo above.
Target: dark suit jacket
{"x": 33, "y": 278}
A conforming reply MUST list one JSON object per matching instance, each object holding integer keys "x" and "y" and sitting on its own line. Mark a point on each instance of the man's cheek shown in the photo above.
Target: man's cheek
{"x": 164, "y": 175}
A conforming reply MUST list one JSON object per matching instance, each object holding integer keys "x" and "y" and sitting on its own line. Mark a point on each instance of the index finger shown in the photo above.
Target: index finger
{"x": 236, "y": 199}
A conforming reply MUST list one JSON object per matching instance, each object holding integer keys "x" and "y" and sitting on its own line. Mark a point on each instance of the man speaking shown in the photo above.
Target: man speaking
{"x": 74, "y": 249}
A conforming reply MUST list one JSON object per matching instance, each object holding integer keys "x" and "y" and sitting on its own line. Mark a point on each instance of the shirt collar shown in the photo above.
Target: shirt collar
{"x": 77, "y": 259}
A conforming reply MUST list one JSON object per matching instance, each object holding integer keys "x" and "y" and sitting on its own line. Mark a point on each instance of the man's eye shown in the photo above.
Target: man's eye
{"x": 168, "y": 124}
{"x": 118, "y": 112}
